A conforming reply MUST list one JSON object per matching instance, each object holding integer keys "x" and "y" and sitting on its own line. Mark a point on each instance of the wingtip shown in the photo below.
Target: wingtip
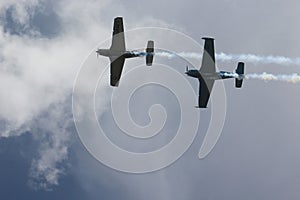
{"x": 200, "y": 106}
{"x": 208, "y": 38}
{"x": 119, "y": 18}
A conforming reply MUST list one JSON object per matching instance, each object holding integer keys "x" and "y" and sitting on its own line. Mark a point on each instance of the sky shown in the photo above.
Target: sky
{"x": 45, "y": 43}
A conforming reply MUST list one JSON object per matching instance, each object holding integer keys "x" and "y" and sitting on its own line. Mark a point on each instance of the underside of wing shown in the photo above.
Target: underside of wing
{"x": 116, "y": 68}
{"x": 205, "y": 89}
{"x": 118, "y": 40}
{"x": 208, "y": 59}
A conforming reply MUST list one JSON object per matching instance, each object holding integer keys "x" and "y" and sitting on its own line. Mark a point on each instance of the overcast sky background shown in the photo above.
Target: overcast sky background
{"x": 43, "y": 43}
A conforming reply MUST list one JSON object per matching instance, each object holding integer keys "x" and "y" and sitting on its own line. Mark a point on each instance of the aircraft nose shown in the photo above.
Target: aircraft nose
{"x": 188, "y": 72}
{"x": 100, "y": 52}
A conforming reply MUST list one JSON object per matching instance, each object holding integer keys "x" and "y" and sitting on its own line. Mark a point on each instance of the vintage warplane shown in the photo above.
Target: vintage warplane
{"x": 208, "y": 74}
{"x": 117, "y": 53}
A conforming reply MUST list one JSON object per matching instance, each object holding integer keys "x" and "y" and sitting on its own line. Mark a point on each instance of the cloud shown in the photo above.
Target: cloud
{"x": 21, "y": 11}
{"x": 55, "y": 140}
{"x": 37, "y": 75}
{"x": 37, "y": 72}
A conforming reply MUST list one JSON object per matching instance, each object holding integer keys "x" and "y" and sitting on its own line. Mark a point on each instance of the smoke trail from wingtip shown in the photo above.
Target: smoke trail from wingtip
{"x": 290, "y": 78}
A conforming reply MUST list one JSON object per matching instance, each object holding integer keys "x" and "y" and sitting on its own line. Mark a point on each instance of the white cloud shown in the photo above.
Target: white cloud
{"x": 37, "y": 75}
{"x": 36, "y": 79}
{"x": 46, "y": 169}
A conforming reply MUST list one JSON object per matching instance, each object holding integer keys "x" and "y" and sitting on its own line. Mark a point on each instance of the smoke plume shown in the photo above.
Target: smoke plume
{"x": 248, "y": 58}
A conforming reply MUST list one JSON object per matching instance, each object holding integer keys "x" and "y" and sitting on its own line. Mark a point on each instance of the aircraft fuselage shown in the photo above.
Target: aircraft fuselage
{"x": 115, "y": 54}
{"x": 213, "y": 76}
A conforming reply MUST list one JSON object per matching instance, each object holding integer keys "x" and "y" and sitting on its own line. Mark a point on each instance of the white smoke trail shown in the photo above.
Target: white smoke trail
{"x": 257, "y": 59}
{"x": 170, "y": 55}
{"x": 248, "y": 58}
{"x": 290, "y": 78}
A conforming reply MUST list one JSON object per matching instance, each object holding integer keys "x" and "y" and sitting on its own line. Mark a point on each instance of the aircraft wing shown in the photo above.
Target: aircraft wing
{"x": 116, "y": 67}
{"x": 208, "y": 59}
{"x": 205, "y": 89}
{"x": 118, "y": 39}
{"x": 208, "y": 66}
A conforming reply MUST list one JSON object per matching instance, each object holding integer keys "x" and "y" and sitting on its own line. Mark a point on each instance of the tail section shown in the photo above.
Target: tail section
{"x": 240, "y": 71}
{"x": 150, "y": 53}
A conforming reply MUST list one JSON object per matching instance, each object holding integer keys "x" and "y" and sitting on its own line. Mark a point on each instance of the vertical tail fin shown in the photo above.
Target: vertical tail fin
{"x": 240, "y": 71}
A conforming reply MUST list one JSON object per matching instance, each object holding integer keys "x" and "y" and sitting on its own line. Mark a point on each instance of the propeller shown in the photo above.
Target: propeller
{"x": 187, "y": 68}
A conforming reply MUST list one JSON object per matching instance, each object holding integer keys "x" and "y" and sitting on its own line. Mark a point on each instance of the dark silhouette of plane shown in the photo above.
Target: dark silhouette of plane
{"x": 207, "y": 73}
{"x": 117, "y": 52}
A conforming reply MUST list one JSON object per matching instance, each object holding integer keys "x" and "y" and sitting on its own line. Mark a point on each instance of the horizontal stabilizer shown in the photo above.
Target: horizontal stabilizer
{"x": 150, "y": 54}
{"x": 240, "y": 71}
{"x": 238, "y": 83}
{"x": 240, "y": 68}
